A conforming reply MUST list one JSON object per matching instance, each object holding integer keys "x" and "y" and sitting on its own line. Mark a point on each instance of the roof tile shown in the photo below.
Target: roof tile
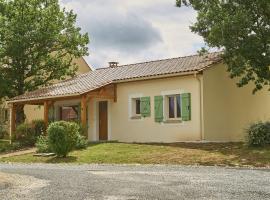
{"x": 103, "y": 76}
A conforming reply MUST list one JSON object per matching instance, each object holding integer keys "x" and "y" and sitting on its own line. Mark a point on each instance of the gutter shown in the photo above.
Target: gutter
{"x": 155, "y": 77}
{"x": 201, "y": 105}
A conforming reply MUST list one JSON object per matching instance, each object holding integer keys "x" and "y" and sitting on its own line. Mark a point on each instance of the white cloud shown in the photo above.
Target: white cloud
{"x": 133, "y": 31}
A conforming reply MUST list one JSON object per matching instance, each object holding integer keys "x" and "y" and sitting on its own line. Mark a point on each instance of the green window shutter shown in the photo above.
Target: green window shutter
{"x": 145, "y": 107}
{"x": 186, "y": 106}
{"x": 158, "y": 108}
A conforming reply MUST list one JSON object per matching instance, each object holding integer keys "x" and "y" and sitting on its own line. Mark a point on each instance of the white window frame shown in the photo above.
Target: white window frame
{"x": 165, "y": 95}
{"x": 166, "y": 108}
{"x": 132, "y": 106}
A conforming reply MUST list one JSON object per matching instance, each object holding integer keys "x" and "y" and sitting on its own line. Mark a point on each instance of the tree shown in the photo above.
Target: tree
{"x": 38, "y": 41}
{"x": 241, "y": 28}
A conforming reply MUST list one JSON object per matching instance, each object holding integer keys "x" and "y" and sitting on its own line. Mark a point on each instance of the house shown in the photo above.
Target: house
{"x": 188, "y": 98}
{"x": 33, "y": 112}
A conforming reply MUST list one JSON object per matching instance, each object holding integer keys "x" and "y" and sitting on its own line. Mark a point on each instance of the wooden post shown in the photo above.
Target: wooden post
{"x": 91, "y": 118}
{"x": 46, "y": 114}
{"x": 83, "y": 112}
{"x": 12, "y": 121}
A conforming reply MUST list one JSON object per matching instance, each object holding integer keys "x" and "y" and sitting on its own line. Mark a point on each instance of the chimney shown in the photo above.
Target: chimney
{"x": 113, "y": 64}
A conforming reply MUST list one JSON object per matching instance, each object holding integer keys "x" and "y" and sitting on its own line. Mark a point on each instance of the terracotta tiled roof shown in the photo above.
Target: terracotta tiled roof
{"x": 103, "y": 76}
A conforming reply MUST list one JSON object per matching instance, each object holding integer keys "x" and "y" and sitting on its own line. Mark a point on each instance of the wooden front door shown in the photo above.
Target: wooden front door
{"x": 103, "y": 120}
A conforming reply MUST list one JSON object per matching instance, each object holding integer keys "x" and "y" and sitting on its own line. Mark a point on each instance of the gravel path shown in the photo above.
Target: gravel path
{"x": 113, "y": 182}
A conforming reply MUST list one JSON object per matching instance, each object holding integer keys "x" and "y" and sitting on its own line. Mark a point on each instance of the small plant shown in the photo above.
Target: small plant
{"x": 81, "y": 142}
{"x": 42, "y": 144}
{"x": 62, "y": 137}
{"x": 258, "y": 134}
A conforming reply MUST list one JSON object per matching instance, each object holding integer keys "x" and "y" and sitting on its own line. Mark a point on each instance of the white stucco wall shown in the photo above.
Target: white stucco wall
{"x": 228, "y": 109}
{"x": 146, "y": 129}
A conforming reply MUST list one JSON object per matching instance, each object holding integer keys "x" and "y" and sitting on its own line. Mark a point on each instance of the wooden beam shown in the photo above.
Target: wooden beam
{"x": 101, "y": 96}
{"x": 12, "y": 120}
{"x": 46, "y": 113}
{"x": 84, "y": 112}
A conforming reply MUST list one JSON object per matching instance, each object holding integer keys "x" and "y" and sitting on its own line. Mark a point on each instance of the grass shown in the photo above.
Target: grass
{"x": 229, "y": 154}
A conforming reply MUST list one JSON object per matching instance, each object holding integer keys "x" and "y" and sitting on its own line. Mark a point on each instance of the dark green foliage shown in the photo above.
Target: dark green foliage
{"x": 258, "y": 134}
{"x": 38, "y": 42}
{"x": 62, "y": 137}
{"x": 4, "y": 147}
{"x": 25, "y": 134}
{"x": 39, "y": 127}
{"x": 241, "y": 28}
{"x": 81, "y": 142}
{"x": 42, "y": 145}
{"x": 82, "y": 129}
{"x": 3, "y": 132}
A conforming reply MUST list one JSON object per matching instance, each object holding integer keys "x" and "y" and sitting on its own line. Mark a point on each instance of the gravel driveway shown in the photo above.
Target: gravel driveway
{"x": 113, "y": 182}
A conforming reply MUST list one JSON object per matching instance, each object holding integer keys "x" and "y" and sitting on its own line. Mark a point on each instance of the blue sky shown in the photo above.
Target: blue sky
{"x": 130, "y": 31}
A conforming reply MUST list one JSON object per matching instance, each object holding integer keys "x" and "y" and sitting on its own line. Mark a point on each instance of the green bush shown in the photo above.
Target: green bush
{"x": 62, "y": 137}
{"x": 25, "y": 134}
{"x": 81, "y": 142}
{"x": 10, "y": 147}
{"x": 39, "y": 127}
{"x": 258, "y": 134}
{"x": 42, "y": 145}
{"x": 3, "y": 132}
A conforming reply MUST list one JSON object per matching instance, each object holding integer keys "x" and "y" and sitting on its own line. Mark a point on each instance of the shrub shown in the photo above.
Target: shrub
{"x": 258, "y": 134}
{"x": 62, "y": 137}
{"x": 2, "y": 131}
{"x": 81, "y": 142}
{"x": 39, "y": 127}
{"x": 42, "y": 144}
{"x": 25, "y": 134}
{"x": 10, "y": 147}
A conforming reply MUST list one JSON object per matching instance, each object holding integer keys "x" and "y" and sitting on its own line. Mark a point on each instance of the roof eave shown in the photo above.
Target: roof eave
{"x": 156, "y": 76}
{"x": 42, "y": 98}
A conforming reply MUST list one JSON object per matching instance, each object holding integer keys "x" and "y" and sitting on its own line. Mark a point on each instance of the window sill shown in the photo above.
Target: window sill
{"x": 172, "y": 121}
{"x": 136, "y": 117}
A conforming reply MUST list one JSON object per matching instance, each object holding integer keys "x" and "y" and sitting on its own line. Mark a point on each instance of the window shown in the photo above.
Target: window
{"x": 174, "y": 106}
{"x": 136, "y": 108}
{"x": 69, "y": 113}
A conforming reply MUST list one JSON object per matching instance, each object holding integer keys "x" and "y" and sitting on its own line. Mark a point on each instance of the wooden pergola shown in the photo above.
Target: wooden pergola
{"x": 108, "y": 92}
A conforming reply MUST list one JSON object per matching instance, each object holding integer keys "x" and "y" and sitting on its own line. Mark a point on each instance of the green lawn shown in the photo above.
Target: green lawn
{"x": 231, "y": 154}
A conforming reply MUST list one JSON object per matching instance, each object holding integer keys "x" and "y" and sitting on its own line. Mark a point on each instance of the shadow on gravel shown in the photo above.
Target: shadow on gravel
{"x": 68, "y": 159}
